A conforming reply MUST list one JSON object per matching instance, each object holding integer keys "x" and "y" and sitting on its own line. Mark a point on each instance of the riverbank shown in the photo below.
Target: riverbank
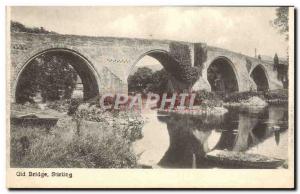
{"x": 92, "y": 142}
{"x": 251, "y": 102}
{"x": 196, "y": 110}
{"x": 275, "y": 97}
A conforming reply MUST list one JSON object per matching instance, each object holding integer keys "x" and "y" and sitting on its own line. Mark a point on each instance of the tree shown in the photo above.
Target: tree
{"x": 19, "y": 27}
{"x": 276, "y": 62}
{"x": 159, "y": 82}
{"x": 139, "y": 80}
{"x": 51, "y": 75}
{"x": 145, "y": 80}
{"x": 27, "y": 87}
{"x": 281, "y": 22}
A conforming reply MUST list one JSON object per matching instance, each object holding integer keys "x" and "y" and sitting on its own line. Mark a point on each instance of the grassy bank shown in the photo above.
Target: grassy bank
{"x": 101, "y": 143}
{"x": 210, "y": 99}
{"x": 271, "y": 97}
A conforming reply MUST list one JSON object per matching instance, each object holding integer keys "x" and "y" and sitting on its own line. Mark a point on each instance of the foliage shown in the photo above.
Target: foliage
{"x": 278, "y": 95}
{"x": 33, "y": 148}
{"x": 282, "y": 70}
{"x": 144, "y": 81}
{"x": 138, "y": 82}
{"x": 27, "y": 85}
{"x": 267, "y": 95}
{"x": 207, "y": 99}
{"x": 104, "y": 142}
{"x": 205, "y": 95}
{"x": 181, "y": 53}
{"x": 281, "y": 22}
{"x": 178, "y": 65}
{"x": 201, "y": 57}
{"x": 51, "y": 75}
{"x": 60, "y": 105}
{"x": 128, "y": 123}
{"x": 159, "y": 82}
{"x": 242, "y": 96}
{"x": 183, "y": 70}
{"x": 18, "y": 27}
{"x": 74, "y": 104}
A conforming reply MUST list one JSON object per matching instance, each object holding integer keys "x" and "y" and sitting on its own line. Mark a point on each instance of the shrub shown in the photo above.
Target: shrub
{"x": 278, "y": 95}
{"x": 74, "y": 104}
{"x": 207, "y": 99}
{"x": 241, "y": 96}
{"x": 60, "y": 105}
{"x": 108, "y": 150}
{"x": 128, "y": 123}
{"x": 205, "y": 95}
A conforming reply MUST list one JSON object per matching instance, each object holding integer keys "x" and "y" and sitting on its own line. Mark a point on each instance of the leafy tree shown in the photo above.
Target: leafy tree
{"x": 27, "y": 87}
{"x": 19, "y": 27}
{"x": 53, "y": 76}
{"x": 145, "y": 80}
{"x": 57, "y": 78}
{"x": 159, "y": 82}
{"x": 139, "y": 81}
{"x": 281, "y": 22}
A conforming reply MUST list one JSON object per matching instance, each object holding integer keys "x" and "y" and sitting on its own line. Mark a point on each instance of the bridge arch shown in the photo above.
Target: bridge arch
{"x": 222, "y": 75}
{"x": 160, "y": 55}
{"x": 169, "y": 64}
{"x": 260, "y": 77}
{"x": 83, "y": 67}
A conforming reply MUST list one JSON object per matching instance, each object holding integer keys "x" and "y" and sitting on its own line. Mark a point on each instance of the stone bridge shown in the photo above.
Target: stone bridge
{"x": 104, "y": 63}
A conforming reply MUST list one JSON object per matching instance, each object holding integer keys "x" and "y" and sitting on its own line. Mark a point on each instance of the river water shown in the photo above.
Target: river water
{"x": 181, "y": 141}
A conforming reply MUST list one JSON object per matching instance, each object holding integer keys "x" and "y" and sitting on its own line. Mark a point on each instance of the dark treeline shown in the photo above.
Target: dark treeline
{"x": 18, "y": 27}
{"x": 144, "y": 80}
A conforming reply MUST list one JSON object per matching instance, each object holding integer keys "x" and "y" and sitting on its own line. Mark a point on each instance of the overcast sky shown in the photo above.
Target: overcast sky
{"x": 238, "y": 29}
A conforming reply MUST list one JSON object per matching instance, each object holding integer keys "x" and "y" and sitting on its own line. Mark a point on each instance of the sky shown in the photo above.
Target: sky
{"x": 240, "y": 29}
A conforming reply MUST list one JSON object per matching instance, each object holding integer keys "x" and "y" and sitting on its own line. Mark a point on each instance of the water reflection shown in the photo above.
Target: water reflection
{"x": 181, "y": 141}
{"x": 155, "y": 142}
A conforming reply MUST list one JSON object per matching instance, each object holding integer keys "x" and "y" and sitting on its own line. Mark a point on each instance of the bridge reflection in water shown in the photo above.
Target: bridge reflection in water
{"x": 181, "y": 141}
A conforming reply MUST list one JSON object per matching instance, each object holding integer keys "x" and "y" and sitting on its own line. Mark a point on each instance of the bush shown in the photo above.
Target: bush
{"x": 60, "y": 105}
{"x": 205, "y": 95}
{"x": 128, "y": 123}
{"x": 34, "y": 148}
{"x": 278, "y": 95}
{"x": 74, "y": 104}
{"x": 242, "y": 96}
{"x": 207, "y": 99}
{"x": 281, "y": 95}
{"x": 19, "y": 27}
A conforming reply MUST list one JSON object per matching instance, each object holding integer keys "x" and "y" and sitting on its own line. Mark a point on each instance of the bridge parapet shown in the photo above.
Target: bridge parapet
{"x": 112, "y": 59}
{"x": 105, "y": 54}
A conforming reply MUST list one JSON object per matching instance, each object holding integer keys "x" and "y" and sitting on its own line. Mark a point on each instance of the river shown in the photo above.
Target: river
{"x": 181, "y": 141}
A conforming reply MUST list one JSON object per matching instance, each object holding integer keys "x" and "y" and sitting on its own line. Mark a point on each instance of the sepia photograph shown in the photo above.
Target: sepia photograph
{"x": 99, "y": 97}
